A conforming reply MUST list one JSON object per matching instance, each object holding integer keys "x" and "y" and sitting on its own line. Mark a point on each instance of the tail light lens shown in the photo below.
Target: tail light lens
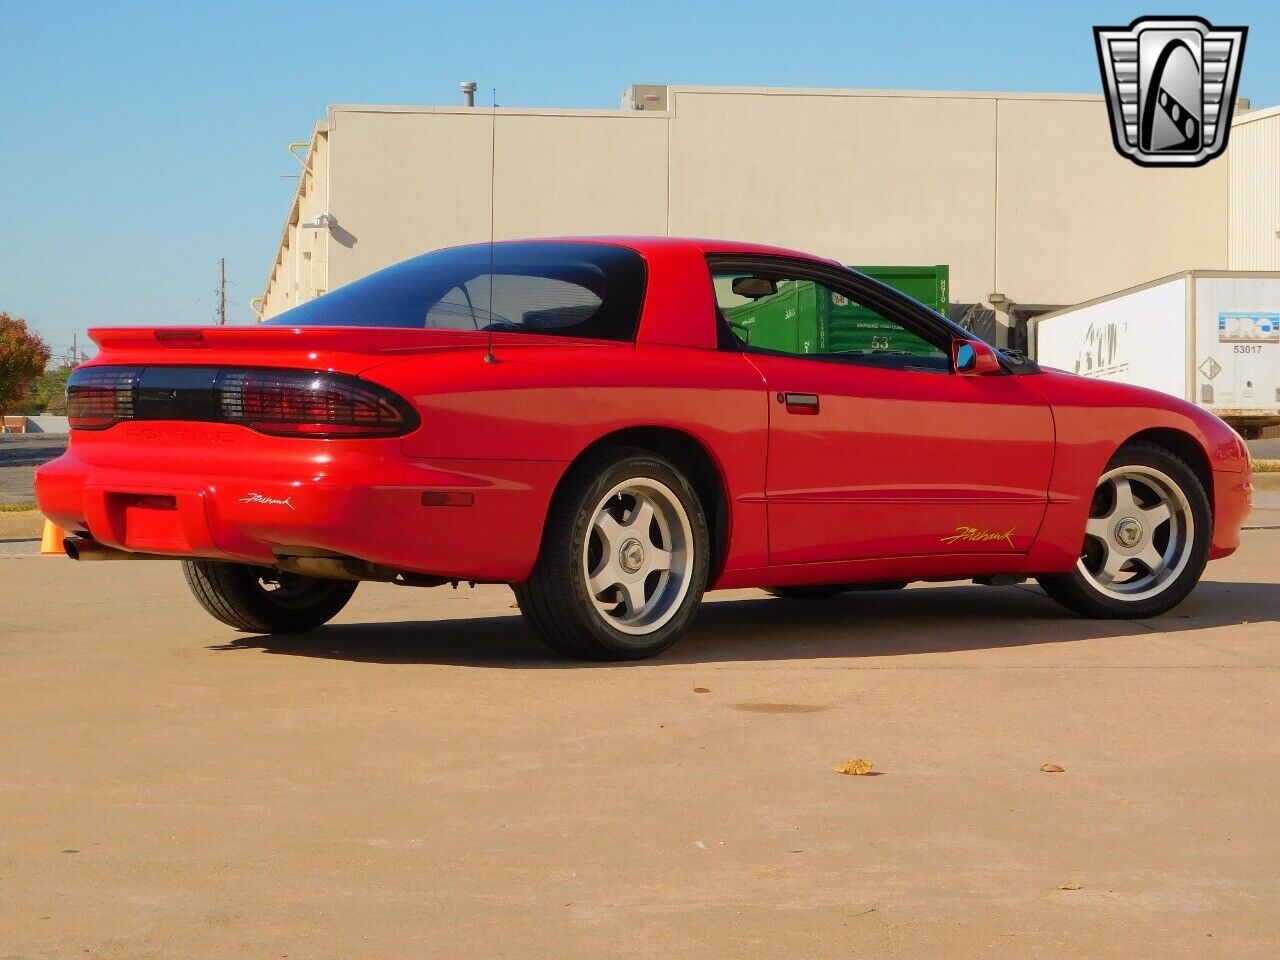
{"x": 279, "y": 402}
{"x": 98, "y": 397}
{"x": 309, "y": 404}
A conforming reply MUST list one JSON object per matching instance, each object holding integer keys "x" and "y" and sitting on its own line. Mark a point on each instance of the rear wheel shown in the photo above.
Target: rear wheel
{"x": 623, "y": 562}
{"x": 1146, "y": 540}
{"x": 262, "y": 600}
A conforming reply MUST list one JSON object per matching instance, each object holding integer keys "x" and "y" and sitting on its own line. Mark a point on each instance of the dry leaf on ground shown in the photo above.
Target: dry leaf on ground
{"x": 853, "y": 768}
{"x": 1052, "y": 768}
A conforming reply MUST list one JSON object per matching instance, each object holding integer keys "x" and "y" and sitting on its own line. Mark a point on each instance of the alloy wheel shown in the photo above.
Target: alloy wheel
{"x": 638, "y": 556}
{"x": 1139, "y": 534}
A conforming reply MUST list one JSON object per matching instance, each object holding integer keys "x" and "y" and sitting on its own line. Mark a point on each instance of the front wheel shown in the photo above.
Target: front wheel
{"x": 624, "y": 560}
{"x": 1146, "y": 540}
{"x": 262, "y": 600}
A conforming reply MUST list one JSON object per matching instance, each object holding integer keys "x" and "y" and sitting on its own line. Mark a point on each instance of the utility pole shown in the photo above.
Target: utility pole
{"x": 222, "y": 292}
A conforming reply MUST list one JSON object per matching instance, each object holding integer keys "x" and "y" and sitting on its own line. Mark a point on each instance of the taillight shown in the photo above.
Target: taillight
{"x": 310, "y": 404}
{"x": 98, "y": 397}
{"x": 280, "y": 402}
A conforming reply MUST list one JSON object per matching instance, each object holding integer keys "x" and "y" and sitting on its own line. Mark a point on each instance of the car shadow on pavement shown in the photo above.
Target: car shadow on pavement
{"x": 874, "y": 624}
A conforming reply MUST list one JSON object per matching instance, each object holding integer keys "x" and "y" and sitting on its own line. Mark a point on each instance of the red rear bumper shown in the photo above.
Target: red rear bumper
{"x": 244, "y": 497}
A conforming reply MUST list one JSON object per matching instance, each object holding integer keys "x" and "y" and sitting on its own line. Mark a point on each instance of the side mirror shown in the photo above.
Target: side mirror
{"x": 974, "y": 358}
{"x": 753, "y": 288}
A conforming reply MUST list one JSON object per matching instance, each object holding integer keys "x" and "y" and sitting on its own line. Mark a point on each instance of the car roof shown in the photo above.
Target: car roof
{"x": 642, "y": 244}
{"x": 672, "y": 308}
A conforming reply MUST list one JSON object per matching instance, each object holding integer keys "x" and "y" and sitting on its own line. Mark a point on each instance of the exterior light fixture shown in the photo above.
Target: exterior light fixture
{"x": 324, "y": 221}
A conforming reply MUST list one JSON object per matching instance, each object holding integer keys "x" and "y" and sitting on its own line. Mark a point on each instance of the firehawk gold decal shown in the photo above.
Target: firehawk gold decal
{"x": 977, "y": 535}
{"x": 269, "y": 501}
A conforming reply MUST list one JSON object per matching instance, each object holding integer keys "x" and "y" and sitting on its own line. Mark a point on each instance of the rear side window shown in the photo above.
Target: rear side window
{"x": 561, "y": 289}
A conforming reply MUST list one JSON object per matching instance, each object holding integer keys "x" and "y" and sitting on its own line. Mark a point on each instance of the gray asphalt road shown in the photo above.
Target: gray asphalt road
{"x": 1264, "y": 449}
{"x": 20, "y": 454}
{"x": 31, "y": 449}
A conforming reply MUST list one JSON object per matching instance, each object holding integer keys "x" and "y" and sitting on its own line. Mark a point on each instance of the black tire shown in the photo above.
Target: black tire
{"x": 825, "y": 591}
{"x": 556, "y": 601}
{"x": 1078, "y": 592}
{"x": 261, "y": 600}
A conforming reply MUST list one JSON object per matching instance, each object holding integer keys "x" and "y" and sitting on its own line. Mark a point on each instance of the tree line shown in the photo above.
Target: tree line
{"x": 26, "y": 388}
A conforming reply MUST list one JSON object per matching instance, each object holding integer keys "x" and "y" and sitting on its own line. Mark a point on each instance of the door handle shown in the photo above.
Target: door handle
{"x": 801, "y": 403}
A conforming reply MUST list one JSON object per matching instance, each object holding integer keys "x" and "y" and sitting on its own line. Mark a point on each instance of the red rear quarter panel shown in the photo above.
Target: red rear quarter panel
{"x": 538, "y": 408}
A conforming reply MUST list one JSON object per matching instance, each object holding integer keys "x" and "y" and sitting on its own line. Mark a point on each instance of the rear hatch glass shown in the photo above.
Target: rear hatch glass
{"x": 561, "y": 289}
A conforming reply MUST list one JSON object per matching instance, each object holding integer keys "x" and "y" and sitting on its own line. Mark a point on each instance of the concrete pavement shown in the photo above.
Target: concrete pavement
{"x": 422, "y": 780}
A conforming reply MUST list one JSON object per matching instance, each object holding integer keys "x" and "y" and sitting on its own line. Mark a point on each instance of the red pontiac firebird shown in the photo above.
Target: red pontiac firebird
{"x": 613, "y": 426}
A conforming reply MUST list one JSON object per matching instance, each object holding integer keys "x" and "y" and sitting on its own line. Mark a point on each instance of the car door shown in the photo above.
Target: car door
{"x": 878, "y": 447}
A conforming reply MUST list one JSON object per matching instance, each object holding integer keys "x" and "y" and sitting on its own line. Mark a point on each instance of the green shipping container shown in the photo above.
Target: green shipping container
{"x": 804, "y": 318}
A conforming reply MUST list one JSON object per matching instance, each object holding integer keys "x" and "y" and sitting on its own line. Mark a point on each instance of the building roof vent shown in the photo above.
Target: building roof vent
{"x": 645, "y": 96}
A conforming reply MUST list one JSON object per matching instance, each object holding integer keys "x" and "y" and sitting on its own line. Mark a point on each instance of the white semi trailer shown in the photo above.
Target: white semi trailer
{"x": 1211, "y": 337}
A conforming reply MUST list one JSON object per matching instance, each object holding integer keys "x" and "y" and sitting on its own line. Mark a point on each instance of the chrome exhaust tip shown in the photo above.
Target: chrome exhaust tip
{"x": 85, "y": 550}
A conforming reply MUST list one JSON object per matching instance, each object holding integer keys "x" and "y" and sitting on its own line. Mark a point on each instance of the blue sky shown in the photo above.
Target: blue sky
{"x": 140, "y": 142}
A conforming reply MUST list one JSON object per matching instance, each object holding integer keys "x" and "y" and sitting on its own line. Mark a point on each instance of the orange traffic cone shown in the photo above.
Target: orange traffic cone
{"x": 51, "y": 540}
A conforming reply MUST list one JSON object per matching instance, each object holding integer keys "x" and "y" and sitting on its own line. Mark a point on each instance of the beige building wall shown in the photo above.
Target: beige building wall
{"x": 862, "y": 178}
{"x": 1254, "y": 154}
{"x": 301, "y": 269}
{"x": 404, "y": 182}
{"x": 1075, "y": 220}
{"x": 407, "y": 181}
{"x": 1021, "y": 194}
